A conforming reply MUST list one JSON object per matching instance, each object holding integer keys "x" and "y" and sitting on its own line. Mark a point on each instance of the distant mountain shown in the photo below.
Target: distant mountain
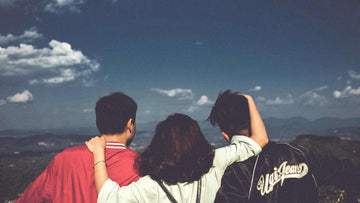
{"x": 287, "y": 129}
{"x": 277, "y": 128}
{"x": 299, "y": 121}
{"x": 326, "y": 122}
{"x": 39, "y": 144}
{"x": 57, "y": 131}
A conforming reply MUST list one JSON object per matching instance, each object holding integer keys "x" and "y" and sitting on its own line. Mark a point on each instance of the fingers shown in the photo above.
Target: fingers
{"x": 95, "y": 142}
{"x": 94, "y": 139}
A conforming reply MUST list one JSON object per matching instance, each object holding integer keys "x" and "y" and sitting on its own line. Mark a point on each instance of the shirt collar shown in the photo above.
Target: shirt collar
{"x": 115, "y": 145}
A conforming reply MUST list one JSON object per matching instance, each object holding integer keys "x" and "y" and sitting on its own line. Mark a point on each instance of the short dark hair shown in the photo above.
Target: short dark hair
{"x": 230, "y": 112}
{"x": 178, "y": 151}
{"x": 113, "y": 112}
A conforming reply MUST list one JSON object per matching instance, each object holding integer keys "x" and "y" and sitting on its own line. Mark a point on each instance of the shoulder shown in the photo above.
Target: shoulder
{"x": 132, "y": 152}
{"x": 128, "y": 153}
{"x": 127, "y": 156}
{"x": 76, "y": 149}
{"x": 283, "y": 147}
{"x": 244, "y": 167}
{"x": 272, "y": 151}
{"x": 73, "y": 152}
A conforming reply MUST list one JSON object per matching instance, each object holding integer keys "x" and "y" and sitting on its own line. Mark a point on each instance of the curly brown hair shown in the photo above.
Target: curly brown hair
{"x": 178, "y": 151}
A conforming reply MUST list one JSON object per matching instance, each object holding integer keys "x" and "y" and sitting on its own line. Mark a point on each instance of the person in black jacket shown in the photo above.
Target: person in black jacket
{"x": 282, "y": 172}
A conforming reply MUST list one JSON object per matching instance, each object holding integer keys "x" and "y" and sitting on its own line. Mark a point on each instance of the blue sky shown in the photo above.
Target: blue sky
{"x": 57, "y": 57}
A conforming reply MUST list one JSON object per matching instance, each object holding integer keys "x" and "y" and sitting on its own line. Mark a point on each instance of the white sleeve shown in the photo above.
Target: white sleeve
{"x": 240, "y": 149}
{"x": 112, "y": 192}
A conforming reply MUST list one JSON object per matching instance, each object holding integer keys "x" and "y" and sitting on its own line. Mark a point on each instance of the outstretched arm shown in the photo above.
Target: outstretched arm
{"x": 258, "y": 131}
{"x": 97, "y": 146}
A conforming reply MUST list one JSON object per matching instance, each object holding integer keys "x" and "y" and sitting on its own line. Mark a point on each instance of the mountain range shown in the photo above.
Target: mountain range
{"x": 21, "y": 143}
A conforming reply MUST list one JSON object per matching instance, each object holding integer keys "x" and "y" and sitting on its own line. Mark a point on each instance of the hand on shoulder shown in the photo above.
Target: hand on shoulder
{"x": 96, "y": 144}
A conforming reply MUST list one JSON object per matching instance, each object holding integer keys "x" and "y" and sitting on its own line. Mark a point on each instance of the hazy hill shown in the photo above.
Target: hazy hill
{"x": 288, "y": 129}
{"x": 278, "y": 128}
{"x": 33, "y": 142}
{"x": 341, "y": 149}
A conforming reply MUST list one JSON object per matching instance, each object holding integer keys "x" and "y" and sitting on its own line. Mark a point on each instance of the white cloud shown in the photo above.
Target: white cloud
{"x": 147, "y": 112}
{"x": 312, "y": 97}
{"x": 337, "y": 94}
{"x": 348, "y": 91}
{"x": 57, "y": 6}
{"x": 191, "y": 109}
{"x": 199, "y": 43}
{"x": 88, "y": 110}
{"x": 279, "y": 101}
{"x": 88, "y": 82}
{"x": 2, "y": 102}
{"x": 179, "y": 93}
{"x": 354, "y": 75}
{"x": 23, "y": 97}
{"x": 65, "y": 76}
{"x": 339, "y": 78}
{"x": 260, "y": 99}
{"x": 28, "y": 36}
{"x": 321, "y": 88}
{"x": 204, "y": 100}
{"x": 256, "y": 88}
{"x": 57, "y": 64}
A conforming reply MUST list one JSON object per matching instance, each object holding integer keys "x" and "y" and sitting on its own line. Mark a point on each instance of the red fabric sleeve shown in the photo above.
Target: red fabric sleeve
{"x": 42, "y": 189}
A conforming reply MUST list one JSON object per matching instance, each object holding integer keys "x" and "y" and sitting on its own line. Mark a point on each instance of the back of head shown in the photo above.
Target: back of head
{"x": 178, "y": 151}
{"x": 113, "y": 112}
{"x": 230, "y": 112}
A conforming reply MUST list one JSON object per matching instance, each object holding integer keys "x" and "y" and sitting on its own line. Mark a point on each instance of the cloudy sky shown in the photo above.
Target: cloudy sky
{"x": 57, "y": 57}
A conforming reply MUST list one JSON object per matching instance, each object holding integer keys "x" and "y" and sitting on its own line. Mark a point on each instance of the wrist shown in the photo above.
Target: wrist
{"x": 99, "y": 163}
{"x": 99, "y": 156}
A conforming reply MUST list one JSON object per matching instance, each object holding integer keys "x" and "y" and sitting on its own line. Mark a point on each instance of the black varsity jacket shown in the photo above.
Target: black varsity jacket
{"x": 284, "y": 173}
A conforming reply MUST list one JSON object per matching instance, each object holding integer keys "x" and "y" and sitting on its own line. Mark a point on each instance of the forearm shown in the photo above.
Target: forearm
{"x": 100, "y": 171}
{"x": 258, "y": 131}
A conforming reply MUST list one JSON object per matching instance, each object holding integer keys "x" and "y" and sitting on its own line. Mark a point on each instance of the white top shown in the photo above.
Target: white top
{"x": 148, "y": 190}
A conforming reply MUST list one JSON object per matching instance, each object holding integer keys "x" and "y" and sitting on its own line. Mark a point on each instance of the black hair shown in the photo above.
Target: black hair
{"x": 230, "y": 112}
{"x": 113, "y": 112}
{"x": 178, "y": 151}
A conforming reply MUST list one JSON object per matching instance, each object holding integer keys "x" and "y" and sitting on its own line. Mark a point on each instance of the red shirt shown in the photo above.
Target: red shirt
{"x": 69, "y": 177}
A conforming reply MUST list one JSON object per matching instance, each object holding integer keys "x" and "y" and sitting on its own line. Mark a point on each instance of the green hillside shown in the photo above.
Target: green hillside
{"x": 339, "y": 148}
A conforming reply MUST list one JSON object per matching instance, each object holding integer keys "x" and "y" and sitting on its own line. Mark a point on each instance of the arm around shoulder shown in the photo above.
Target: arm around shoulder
{"x": 258, "y": 131}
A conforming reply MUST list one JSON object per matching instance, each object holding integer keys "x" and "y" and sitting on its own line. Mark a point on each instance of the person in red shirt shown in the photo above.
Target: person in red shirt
{"x": 69, "y": 177}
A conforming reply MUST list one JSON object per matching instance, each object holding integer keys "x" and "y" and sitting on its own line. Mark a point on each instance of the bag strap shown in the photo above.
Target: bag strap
{"x": 168, "y": 194}
{"x": 171, "y": 197}
{"x": 198, "y": 195}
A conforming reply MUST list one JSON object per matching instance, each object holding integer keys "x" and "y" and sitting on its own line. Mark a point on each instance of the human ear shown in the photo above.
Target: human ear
{"x": 128, "y": 124}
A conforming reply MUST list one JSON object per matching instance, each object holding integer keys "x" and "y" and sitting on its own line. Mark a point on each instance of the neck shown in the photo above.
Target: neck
{"x": 115, "y": 138}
